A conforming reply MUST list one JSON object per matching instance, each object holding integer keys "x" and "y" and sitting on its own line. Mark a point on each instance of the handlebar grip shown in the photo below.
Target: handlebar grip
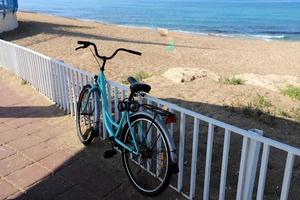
{"x": 134, "y": 52}
{"x": 83, "y": 42}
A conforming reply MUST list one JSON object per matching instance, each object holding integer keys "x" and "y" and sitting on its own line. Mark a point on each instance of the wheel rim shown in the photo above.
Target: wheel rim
{"x": 149, "y": 170}
{"x": 86, "y": 120}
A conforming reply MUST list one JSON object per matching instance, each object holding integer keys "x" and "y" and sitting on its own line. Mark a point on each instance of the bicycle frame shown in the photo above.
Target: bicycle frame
{"x": 108, "y": 121}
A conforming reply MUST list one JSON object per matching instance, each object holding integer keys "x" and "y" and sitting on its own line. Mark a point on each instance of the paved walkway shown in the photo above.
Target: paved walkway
{"x": 41, "y": 158}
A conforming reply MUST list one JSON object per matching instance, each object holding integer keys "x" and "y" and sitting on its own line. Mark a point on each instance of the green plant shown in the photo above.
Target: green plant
{"x": 248, "y": 110}
{"x": 292, "y": 92}
{"x": 283, "y": 113}
{"x": 295, "y": 112}
{"x": 139, "y": 76}
{"x": 230, "y": 107}
{"x": 259, "y": 108}
{"x": 233, "y": 81}
{"x": 180, "y": 96}
{"x": 124, "y": 80}
{"x": 259, "y": 101}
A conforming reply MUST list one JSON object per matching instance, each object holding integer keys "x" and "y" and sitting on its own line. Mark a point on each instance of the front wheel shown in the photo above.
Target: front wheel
{"x": 150, "y": 171}
{"x": 88, "y": 115}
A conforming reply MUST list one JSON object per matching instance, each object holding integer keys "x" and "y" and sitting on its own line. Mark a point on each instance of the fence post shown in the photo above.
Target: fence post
{"x": 248, "y": 166}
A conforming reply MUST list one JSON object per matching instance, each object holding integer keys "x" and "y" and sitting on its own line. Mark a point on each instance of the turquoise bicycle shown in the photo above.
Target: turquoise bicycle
{"x": 148, "y": 151}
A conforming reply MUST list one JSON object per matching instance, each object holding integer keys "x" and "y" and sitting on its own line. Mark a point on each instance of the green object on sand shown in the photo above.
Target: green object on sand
{"x": 170, "y": 46}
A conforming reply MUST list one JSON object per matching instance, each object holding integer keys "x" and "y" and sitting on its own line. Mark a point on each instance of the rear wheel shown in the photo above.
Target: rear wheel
{"x": 149, "y": 172}
{"x": 87, "y": 121}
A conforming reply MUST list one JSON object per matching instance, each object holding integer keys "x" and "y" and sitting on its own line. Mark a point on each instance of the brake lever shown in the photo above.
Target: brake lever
{"x": 78, "y": 48}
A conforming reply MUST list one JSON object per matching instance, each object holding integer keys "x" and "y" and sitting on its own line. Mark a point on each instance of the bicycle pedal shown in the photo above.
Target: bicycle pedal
{"x": 109, "y": 153}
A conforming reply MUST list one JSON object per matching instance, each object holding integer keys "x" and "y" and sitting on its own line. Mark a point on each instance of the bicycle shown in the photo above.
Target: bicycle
{"x": 148, "y": 151}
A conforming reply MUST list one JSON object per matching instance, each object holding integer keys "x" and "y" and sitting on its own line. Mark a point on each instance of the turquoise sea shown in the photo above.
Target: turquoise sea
{"x": 266, "y": 19}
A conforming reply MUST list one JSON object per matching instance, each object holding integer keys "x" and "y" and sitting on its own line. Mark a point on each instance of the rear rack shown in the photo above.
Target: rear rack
{"x": 158, "y": 110}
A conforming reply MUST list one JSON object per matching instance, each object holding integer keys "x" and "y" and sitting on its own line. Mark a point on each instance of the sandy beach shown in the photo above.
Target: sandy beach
{"x": 223, "y": 57}
{"x": 193, "y": 71}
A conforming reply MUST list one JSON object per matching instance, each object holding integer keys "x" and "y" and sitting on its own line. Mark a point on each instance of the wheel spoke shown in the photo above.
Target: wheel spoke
{"x": 149, "y": 171}
{"x": 155, "y": 142}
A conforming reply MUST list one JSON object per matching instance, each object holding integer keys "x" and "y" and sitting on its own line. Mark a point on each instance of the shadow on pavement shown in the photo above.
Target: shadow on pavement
{"x": 30, "y": 111}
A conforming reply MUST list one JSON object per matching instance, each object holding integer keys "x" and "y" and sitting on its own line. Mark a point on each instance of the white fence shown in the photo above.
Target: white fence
{"x": 62, "y": 83}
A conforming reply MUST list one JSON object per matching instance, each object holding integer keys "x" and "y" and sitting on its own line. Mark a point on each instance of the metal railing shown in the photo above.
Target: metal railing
{"x": 61, "y": 83}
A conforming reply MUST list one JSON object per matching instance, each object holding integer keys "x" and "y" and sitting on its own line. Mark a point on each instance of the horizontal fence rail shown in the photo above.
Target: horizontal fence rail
{"x": 197, "y": 137}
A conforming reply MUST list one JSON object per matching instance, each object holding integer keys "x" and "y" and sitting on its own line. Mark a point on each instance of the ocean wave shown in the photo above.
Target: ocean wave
{"x": 221, "y": 35}
{"x": 256, "y": 36}
{"x": 231, "y": 35}
{"x": 268, "y": 36}
{"x": 282, "y": 32}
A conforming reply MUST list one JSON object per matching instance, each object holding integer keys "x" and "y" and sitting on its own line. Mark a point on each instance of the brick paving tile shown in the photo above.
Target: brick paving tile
{"x": 19, "y": 122}
{"x": 94, "y": 159}
{"x": 37, "y": 117}
{"x": 48, "y": 188}
{"x": 10, "y": 135}
{"x": 127, "y": 191}
{"x": 65, "y": 127}
{"x": 57, "y": 160}
{"x": 60, "y": 142}
{"x": 75, "y": 193}
{"x": 77, "y": 172}
{"x": 60, "y": 120}
{"x": 6, "y": 101}
{"x": 74, "y": 150}
{"x": 4, "y": 127}
{"x": 28, "y": 175}
{"x": 5, "y": 90}
{"x": 6, "y": 152}
{"x": 25, "y": 131}
{"x": 67, "y": 123}
{"x": 4, "y": 119}
{"x": 25, "y": 142}
{"x": 101, "y": 184}
{"x": 13, "y": 163}
{"x": 40, "y": 151}
{"x": 6, "y": 189}
{"x": 33, "y": 127}
{"x": 47, "y": 132}
{"x": 70, "y": 138}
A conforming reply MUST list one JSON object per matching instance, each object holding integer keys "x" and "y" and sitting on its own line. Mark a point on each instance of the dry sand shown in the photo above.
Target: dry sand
{"x": 57, "y": 37}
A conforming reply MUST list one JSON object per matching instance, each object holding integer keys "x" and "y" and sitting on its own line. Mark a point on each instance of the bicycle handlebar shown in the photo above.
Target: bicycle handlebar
{"x": 126, "y": 50}
{"x": 86, "y": 44}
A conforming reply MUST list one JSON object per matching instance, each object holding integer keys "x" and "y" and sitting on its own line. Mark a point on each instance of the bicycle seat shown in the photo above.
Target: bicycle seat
{"x": 136, "y": 86}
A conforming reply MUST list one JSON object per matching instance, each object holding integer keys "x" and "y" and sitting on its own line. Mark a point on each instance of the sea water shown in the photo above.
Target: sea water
{"x": 266, "y": 19}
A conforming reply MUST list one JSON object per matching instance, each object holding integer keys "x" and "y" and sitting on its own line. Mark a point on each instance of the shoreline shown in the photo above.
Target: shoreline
{"x": 227, "y": 55}
{"x": 260, "y": 37}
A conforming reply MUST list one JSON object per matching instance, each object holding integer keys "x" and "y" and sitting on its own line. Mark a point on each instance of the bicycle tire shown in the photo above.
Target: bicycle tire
{"x": 168, "y": 173}
{"x": 93, "y": 130}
